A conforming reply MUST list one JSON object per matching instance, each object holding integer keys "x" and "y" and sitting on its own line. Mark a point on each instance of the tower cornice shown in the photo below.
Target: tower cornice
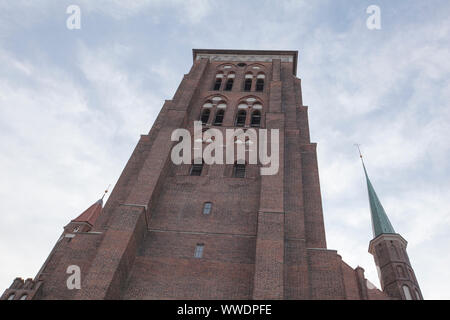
{"x": 386, "y": 237}
{"x": 247, "y": 56}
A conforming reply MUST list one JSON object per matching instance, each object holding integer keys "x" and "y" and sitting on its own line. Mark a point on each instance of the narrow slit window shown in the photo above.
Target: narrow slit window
{"x": 207, "y": 206}
{"x": 205, "y": 116}
{"x": 198, "y": 253}
{"x": 259, "y": 84}
{"x": 240, "y": 118}
{"x": 248, "y": 84}
{"x": 219, "y": 118}
{"x": 196, "y": 169}
{"x": 239, "y": 170}
{"x": 256, "y": 119}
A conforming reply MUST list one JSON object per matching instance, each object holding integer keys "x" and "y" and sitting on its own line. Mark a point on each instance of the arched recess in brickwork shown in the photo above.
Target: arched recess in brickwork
{"x": 229, "y": 81}
{"x": 218, "y": 80}
{"x": 217, "y": 105}
{"x": 256, "y": 67}
{"x": 260, "y": 81}
{"x": 226, "y": 67}
{"x": 401, "y": 271}
{"x": 253, "y": 108}
{"x": 250, "y": 100}
{"x": 407, "y": 292}
{"x": 214, "y": 98}
{"x": 248, "y": 81}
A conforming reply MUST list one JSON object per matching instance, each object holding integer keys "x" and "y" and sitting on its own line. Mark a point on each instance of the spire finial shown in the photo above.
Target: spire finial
{"x": 360, "y": 155}
{"x": 359, "y": 150}
{"x": 106, "y": 191}
{"x": 380, "y": 221}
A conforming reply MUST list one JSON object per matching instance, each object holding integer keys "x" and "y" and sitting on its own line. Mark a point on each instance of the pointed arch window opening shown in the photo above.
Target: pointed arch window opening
{"x": 248, "y": 84}
{"x": 407, "y": 292}
{"x": 259, "y": 84}
{"x": 256, "y": 119}
{"x": 229, "y": 84}
{"x": 219, "y": 117}
{"x": 205, "y": 116}
{"x": 240, "y": 118}
{"x": 217, "y": 84}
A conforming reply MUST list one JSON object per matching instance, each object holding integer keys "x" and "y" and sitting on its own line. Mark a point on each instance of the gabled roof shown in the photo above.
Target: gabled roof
{"x": 91, "y": 214}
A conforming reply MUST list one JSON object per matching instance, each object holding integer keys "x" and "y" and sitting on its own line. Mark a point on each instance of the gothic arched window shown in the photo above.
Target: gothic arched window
{"x": 219, "y": 117}
{"x": 230, "y": 81}
{"x": 260, "y": 82}
{"x": 24, "y": 297}
{"x": 240, "y": 118}
{"x": 218, "y": 82}
{"x": 256, "y": 119}
{"x": 407, "y": 292}
{"x": 248, "y": 82}
{"x": 205, "y": 116}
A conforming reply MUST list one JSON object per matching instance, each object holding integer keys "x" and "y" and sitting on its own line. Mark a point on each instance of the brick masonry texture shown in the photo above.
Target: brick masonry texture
{"x": 263, "y": 239}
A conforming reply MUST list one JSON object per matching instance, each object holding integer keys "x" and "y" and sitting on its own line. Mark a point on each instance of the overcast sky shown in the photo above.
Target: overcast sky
{"x": 74, "y": 102}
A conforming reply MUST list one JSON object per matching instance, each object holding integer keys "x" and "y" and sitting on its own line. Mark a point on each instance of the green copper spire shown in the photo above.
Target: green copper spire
{"x": 380, "y": 220}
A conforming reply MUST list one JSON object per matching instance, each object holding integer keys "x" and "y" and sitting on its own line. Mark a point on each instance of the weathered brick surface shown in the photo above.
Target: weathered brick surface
{"x": 391, "y": 258}
{"x": 264, "y": 238}
{"x": 166, "y": 268}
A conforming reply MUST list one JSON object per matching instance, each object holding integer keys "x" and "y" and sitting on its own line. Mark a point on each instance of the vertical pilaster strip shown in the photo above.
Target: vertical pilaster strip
{"x": 314, "y": 225}
{"x": 275, "y": 87}
{"x": 269, "y": 261}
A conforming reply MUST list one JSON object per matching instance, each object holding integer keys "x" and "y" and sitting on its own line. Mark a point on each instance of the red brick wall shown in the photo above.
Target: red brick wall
{"x": 264, "y": 237}
{"x": 165, "y": 267}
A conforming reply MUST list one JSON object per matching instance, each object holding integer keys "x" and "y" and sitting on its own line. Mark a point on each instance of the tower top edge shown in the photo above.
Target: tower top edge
{"x": 224, "y": 55}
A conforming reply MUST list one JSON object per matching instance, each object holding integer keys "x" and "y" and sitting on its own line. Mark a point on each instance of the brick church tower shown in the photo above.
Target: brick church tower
{"x": 218, "y": 231}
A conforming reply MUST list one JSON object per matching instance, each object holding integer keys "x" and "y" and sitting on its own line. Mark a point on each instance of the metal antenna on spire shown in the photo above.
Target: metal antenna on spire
{"x": 106, "y": 191}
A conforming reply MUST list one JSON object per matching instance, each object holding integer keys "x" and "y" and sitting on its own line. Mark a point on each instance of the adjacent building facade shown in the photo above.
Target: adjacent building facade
{"x": 219, "y": 231}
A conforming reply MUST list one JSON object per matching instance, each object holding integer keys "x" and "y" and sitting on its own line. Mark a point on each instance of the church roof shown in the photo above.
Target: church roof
{"x": 91, "y": 214}
{"x": 380, "y": 220}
